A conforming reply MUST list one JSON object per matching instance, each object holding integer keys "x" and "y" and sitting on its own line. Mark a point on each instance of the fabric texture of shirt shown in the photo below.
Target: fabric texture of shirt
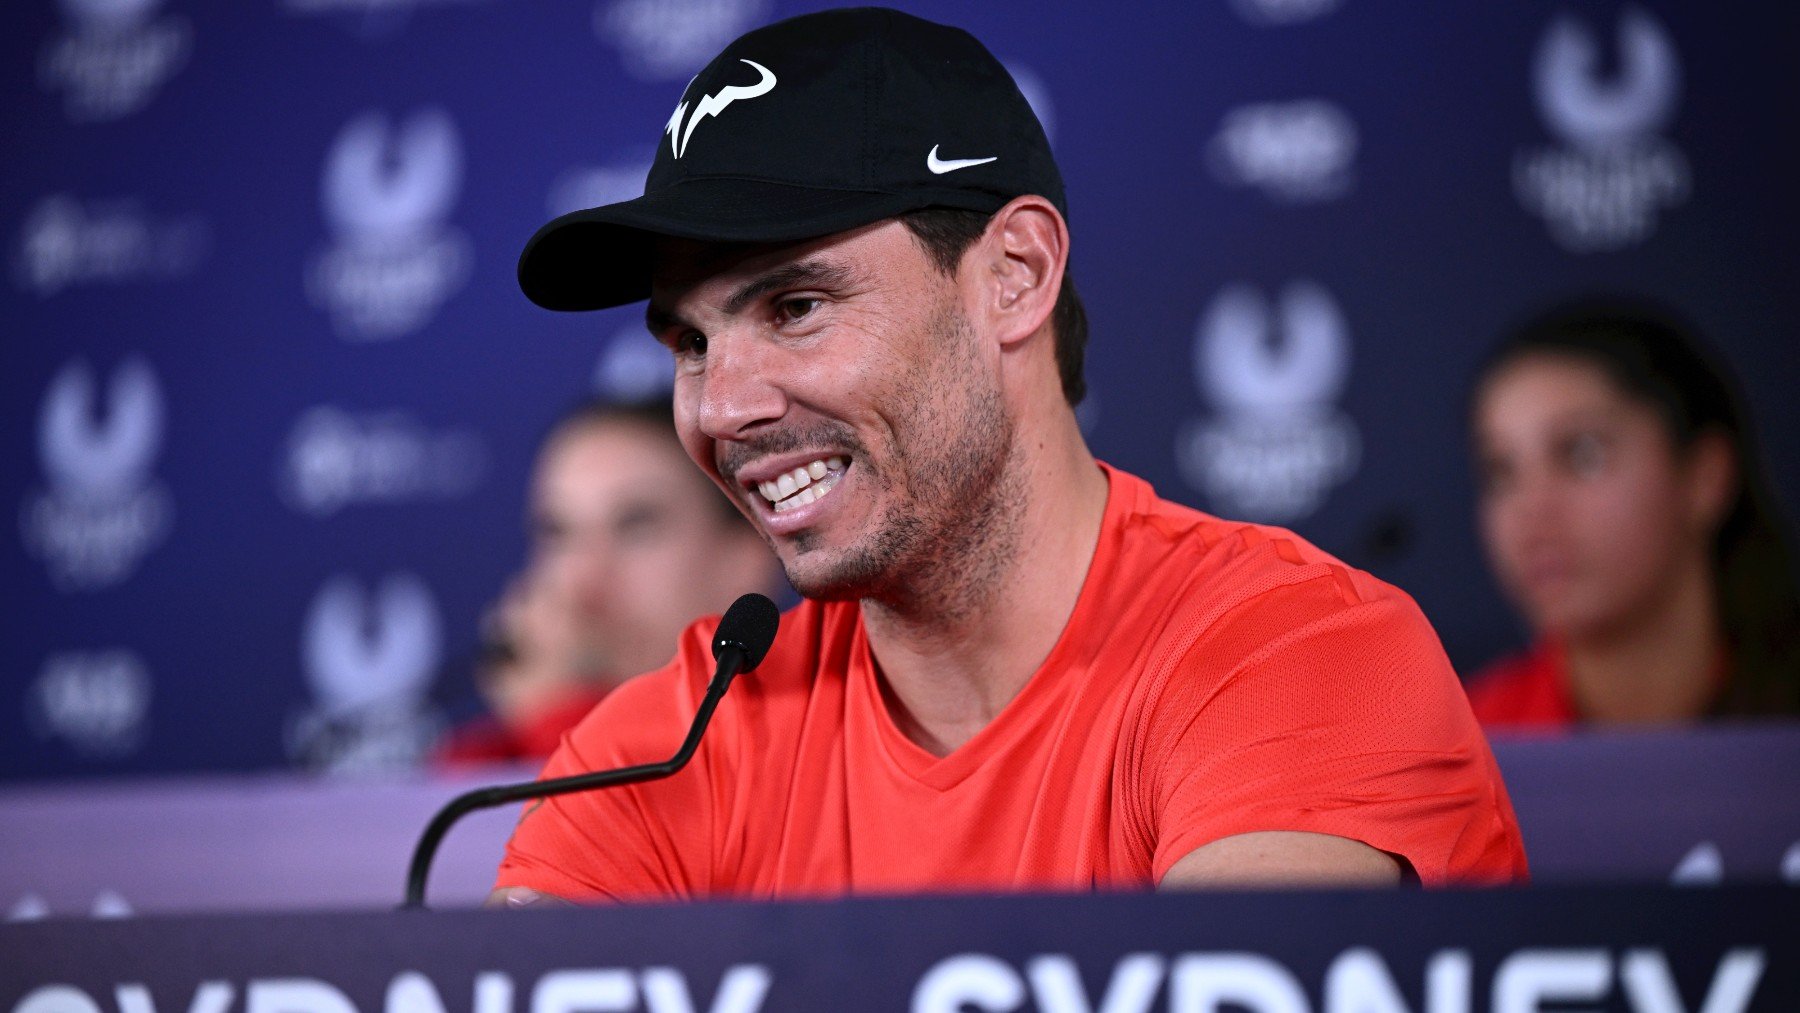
{"x": 1214, "y": 678}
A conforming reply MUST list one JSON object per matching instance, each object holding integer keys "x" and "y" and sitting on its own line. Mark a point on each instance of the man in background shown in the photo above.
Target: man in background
{"x": 629, "y": 544}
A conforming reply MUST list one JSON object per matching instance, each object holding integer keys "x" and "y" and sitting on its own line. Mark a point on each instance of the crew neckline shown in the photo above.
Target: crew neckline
{"x": 1034, "y": 702}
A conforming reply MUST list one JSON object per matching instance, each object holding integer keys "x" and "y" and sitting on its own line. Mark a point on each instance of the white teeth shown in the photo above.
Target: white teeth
{"x": 796, "y": 488}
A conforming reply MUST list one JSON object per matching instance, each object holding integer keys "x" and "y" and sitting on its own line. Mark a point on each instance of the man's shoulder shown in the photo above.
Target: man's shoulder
{"x": 1210, "y": 565}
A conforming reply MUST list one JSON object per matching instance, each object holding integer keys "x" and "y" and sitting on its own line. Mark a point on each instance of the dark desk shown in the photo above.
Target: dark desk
{"x": 1650, "y": 949}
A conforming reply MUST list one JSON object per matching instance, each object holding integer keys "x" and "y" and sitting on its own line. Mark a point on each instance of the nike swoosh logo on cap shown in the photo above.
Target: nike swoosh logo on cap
{"x": 939, "y": 166}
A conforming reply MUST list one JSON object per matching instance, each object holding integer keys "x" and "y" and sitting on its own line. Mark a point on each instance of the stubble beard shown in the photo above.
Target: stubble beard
{"x": 940, "y": 548}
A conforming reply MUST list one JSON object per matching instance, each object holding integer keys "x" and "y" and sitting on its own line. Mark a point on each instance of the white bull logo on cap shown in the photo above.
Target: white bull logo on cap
{"x": 714, "y": 104}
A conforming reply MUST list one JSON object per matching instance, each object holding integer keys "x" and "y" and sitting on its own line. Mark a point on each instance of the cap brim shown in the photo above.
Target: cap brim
{"x": 601, "y": 257}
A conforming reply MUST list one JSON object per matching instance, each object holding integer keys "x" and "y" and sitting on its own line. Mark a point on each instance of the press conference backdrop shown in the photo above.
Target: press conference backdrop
{"x": 271, "y": 392}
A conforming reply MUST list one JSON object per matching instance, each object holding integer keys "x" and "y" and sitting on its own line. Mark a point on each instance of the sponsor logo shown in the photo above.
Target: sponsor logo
{"x": 1277, "y": 442}
{"x": 370, "y": 664}
{"x": 335, "y": 459}
{"x": 1357, "y": 979}
{"x": 103, "y": 510}
{"x": 634, "y": 367}
{"x": 663, "y": 39}
{"x": 939, "y": 166}
{"x": 1037, "y": 96}
{"x": 1284, "y": 12}
{"x": 713, "y": 105}
{"x": 1604, "y": 186}
{"x": 66, "y": 242}
{"x": 1704, "y": 865}
{"x": 98, "y": 702}
{"x": 115, "y": 57}
{"x": 386, "y": 195}
{"x": 594, "y": 186}
{"x": 1294, "y": 152}
{"x": 741, "y": 989}
{"x": 32, "y": 907}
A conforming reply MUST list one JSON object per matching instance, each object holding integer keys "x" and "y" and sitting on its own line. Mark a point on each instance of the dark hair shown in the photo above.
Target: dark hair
{"x": 947, "y": 233}
{"x": 1656, "y": 358}
{"x": 654, "y": 414}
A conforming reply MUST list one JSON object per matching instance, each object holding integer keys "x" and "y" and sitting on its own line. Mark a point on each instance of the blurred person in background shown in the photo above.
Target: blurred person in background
{"x": 629, "y": 544}
{"x": 1625, "y": 511}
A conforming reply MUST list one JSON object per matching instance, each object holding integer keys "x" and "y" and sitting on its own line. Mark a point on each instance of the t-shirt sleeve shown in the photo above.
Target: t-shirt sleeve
{"x": 642, "y": 841}
{"x": 1312, "y": 708}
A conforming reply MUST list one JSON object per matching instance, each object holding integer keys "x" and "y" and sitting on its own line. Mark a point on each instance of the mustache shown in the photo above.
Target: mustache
{"x": 824, "y": 437}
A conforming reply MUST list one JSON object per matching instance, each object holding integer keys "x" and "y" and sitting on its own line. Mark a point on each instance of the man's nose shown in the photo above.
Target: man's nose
{"x": 740, "y": 387}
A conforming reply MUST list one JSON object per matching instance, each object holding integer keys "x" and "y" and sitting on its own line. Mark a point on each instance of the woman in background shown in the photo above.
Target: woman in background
{"x": 1625, "y": 511}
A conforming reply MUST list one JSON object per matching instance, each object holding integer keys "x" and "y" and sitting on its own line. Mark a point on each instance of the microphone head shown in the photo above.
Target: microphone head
{"x": 750, "y": 624}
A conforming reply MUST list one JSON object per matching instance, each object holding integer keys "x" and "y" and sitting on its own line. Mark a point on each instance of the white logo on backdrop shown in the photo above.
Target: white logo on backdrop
{"x": 336, "y": 459}
{"x": 1037, "y": 95}
{"x": 387, "y": 194}
{"x": 634, "y": 366}
{"x": 65, "y": 243}
{"x": 1294, "y": 152}
{"x": 104, "y": 510}
{"x": 33, "y": 907}
{"x": 115, "y": 58}
{"x": 594, "y": 186}
{"x": 1284, "y": 12}
{"x": 1604, "y": 186}
{"x": 98, "y": 702}
{"x": 1278, "y": 442}
{"x": 370, "y": 664}
{"x": 663, "y": 39}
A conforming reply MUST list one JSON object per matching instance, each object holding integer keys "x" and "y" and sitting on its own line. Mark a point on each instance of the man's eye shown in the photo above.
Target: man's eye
{"x": 791, "y": 310}
{"x": 690, "y": 344}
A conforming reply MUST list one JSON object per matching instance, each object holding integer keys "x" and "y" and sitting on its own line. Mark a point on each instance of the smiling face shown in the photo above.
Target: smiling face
{"x": 837, "y": 392}
{"x": 1588, "y": 510}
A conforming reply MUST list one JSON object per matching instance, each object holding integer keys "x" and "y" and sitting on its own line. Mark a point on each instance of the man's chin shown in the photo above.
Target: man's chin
{"x": 823, "y": 580}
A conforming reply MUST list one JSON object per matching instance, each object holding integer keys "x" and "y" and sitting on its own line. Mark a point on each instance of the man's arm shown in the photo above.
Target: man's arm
{"x": 1280, "y": 858}
{"x": 1346, "y": 731}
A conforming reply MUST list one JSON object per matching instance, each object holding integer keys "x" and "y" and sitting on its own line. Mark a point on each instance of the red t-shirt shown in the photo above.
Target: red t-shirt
{"x": 1215, "y": 678}
{"x": 1526, "y": 692}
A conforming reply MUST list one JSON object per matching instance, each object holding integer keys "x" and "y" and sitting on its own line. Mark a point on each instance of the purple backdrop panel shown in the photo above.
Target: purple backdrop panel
{"x": 1697, "y": 806}
{"x": 243, "y": 844}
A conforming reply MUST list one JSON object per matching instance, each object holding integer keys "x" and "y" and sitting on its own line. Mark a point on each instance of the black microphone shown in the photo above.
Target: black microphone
{"x": 743, "y": 637}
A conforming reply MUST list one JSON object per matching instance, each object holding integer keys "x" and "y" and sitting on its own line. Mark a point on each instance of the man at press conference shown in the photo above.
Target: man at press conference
{"x": 1015, "y": 667}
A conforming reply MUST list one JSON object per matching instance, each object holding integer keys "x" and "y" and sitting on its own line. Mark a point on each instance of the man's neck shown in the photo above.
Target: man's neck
{"x": 1662, "y": 666}
{"x": 947, "y": 672}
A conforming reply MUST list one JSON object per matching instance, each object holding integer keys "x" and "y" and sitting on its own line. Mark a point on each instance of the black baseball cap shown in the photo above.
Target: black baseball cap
{"x": 800, "y": 129}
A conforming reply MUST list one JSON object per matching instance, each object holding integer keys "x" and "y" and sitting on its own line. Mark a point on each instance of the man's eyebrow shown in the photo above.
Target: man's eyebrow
{"x": 805, "y": 274}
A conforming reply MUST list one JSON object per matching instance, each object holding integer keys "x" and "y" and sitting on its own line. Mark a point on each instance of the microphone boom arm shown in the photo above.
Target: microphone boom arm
{"x": 731, "y": 660}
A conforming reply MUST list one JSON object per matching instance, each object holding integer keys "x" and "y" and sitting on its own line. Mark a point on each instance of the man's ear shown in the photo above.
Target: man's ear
{"x": 1018, "y": 267}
